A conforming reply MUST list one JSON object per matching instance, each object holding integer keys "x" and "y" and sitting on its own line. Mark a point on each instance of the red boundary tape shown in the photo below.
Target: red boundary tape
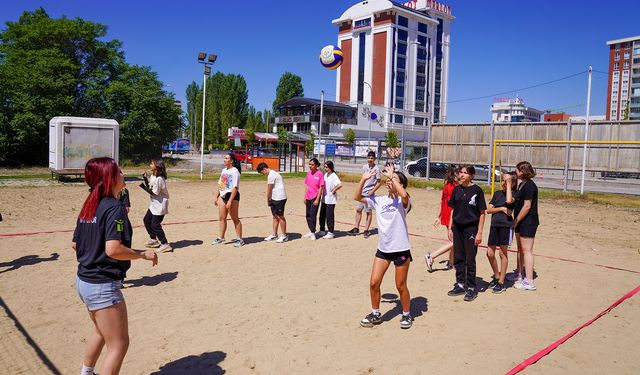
{"x": 536, "y": 357}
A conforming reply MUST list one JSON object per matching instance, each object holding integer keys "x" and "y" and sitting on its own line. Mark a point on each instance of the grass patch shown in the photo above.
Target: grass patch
{"x": 25, "y": 176}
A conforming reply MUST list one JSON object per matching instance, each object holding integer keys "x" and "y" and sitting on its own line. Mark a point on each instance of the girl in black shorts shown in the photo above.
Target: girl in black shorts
{"x": 526, "y": 221}
{"x": 228, "y": 199}
{"x": 393, "y": 242}
{"x": 501, "y": 231}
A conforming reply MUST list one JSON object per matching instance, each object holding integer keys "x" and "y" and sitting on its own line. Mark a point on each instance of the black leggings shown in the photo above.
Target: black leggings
{"x": 311, "y": 214}
{"x": 153, "y": 224}
{"x": 327, "y": 216}
{"x": 464, "y": 254}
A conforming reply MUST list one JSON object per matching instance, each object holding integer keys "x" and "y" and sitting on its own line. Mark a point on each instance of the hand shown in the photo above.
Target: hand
{"x": 389, "y": 169}
{"x": 478, "y": 239}
{"x": 144, "y": 174}
{"x": 450, "y": 234}
{"x": 315, "y": 203}
{"x": 436, "y": 222}
{"x": 150, "y": 255}
{"x": 228, "y": 205}
{"x": 367, "y": 175}
{"x": 507, "y": 177}
{"x": 509, "y": 211}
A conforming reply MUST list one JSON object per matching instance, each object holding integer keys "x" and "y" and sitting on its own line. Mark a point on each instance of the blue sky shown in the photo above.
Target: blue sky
{"x": 496, "y": 46}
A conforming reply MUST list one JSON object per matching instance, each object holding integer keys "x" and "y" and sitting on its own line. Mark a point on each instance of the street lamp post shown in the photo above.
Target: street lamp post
{"x": 206, "y": 61}
{"x": 369, "y": 114}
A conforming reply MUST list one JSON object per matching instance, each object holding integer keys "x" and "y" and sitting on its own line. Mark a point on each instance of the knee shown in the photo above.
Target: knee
{"x": 236, "y": 220}
{"x": 374, "y": 284}
{"x": 401, "y": 286}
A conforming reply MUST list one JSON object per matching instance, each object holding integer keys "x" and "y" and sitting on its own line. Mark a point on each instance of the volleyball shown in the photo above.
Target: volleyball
{"x": 331, "y": 57}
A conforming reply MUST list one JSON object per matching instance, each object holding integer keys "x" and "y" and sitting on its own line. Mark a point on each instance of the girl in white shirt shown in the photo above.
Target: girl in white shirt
{"x": 158, "y": 206}
{"x": 228, "y": 199}
{"x": 393, "y": 242}
{"x": 329, "y": 199}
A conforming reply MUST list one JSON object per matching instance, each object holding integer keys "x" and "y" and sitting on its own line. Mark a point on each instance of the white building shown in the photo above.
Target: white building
{"x": 513, "y": 110}
{"x": 396, "y": 56}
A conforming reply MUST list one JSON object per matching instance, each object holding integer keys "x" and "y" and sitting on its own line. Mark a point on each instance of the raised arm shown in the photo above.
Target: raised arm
{"x": 365, "y": 176}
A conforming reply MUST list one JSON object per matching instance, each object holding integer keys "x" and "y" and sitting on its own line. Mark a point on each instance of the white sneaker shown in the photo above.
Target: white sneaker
{"x": 311, "y": 236}
{"x": 271, "y": 237}
{"x": 525, "y": 285}
{"x": 152, "y": 243}
{"x": 282, "y": 239}
{"x": 165, "y": 247}
{"x": 328, "y": 236}
{"x": 321, "y": 233}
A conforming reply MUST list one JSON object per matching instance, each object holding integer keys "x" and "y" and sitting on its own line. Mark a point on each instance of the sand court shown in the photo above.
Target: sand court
{"x": 271, "y": 308}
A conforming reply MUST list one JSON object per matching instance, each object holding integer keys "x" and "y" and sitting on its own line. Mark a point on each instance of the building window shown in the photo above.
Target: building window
{"x": 614, "y": 103}
{"x": 626, "y": 54}
{"x": 615, "y": 84}
{"x": 616, "y": 66}
{"x": 617, "y": 56}
{"x": 361, "y": 54}
{"x": 617, "y": 47}
{"x": 403, "y": 21}
{"x": 626, "y": 65}
{"x": 422, "y": 27}
{"x": 616, "y": 74}
{"x": 636, "y": 51}
{"x": 625, "y": 73}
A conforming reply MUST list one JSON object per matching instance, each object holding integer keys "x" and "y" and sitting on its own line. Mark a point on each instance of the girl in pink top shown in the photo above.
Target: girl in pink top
{"x": 450, "y": 182}
{"x": 315, "y": 184}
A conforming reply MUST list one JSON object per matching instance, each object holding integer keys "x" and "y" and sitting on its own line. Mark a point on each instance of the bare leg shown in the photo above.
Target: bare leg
{"x": 491, "y": 255}
{"x": 519, "y": 265}
{"x": 401, "y": 284}
{"x": 283, "y": 224}
{"x": 378, "y": 269}
{"x": 358, "y": 218}
{"x": 222, "y": 216}
{"x": 441, "y": 250}
{"x": 504, "y": 262}
{"x": 95, "y": 343}
{"x": 527, "y": 250}
{"x": 274, "y": 225}
{"x": 113, "y": 324}
{"x": 369, "y": 217}
{"x": 235, "y": 205}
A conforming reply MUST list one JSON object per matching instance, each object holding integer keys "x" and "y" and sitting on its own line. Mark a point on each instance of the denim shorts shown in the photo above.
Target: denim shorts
{"x": 99, "y": 296}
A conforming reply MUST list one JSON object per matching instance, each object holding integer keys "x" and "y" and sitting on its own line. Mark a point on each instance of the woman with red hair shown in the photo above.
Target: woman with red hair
{"x": 102, "y": 241}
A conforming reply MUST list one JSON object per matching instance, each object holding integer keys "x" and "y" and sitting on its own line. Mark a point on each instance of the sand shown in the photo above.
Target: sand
{"x": 270, "y": 308}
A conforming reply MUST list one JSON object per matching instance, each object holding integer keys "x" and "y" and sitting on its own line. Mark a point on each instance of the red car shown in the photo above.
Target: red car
{"x": 242, "y": 156}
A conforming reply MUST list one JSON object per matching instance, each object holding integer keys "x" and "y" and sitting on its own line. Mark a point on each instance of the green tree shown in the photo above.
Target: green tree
{"x": 282, "y": 134}
{"x": 193, "y": 92}
{"x": 350, "y": 136}
{"x": 289, "y": 86}
{"x": 392, "y": 139}
{"x": 62, "y": 67}
{"x": 148, "y": 119}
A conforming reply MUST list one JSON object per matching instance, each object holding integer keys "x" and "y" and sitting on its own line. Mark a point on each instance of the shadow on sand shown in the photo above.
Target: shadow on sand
{"x": 203, "y": 364}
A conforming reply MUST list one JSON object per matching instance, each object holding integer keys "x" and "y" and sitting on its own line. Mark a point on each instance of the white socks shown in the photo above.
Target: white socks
{"x": 86, "y": 370}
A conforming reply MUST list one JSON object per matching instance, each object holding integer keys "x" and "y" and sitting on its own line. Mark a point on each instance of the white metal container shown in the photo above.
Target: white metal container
{"x": 75, "y": 140}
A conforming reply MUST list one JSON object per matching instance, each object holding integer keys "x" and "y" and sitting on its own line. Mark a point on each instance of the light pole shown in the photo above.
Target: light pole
{"x": 320, "y": 124}
{"x": 206, "y": 61}
{"x": 369, "y": 114}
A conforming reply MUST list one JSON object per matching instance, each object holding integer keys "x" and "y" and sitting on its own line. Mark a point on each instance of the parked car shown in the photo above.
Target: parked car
{"x": 482, "y": 172}
{"x": 418, "y": 168}
{"x": 242, "y": 156}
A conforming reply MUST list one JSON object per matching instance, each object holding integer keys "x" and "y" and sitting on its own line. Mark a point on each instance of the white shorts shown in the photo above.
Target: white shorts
{"x": 361, "y": 206}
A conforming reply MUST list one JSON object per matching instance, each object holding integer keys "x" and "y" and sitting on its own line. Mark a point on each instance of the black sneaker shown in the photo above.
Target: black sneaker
{"x": 406, "y": 321}
{"x": 499, "y": 288}
{"x": 371, "y": 320}
{"x": 366, "y": 234}
{"x": 456, "y": 291}
{"x": 354, "y": 231}
{"x": 470, "y": 295}
{"x": 492, "y": 283}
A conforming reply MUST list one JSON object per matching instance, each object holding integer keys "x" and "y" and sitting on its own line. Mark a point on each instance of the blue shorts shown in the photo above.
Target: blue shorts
{"x": 99, "y": 296}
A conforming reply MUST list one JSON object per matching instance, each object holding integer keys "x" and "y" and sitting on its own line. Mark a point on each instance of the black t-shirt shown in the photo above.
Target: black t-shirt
{"x": 500, "y": 219}
{"x": 109, "y": 223}
{"x": 467, "y": 203}
{"x": 124, "y": 197}
{"x": 528, "y": 191}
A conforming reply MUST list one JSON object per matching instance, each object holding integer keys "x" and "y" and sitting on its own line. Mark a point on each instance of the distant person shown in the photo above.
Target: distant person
{"x": 450, "y": 182}
{"x": 393, "y": 242}
{"x": 312, "y": 195}
{"x": 501, "y": 231}
{"x": 102, "y": 242}
{"x": 156, "y": 186}
{"x": 370, "y": 188}
{"x": 124, "y": 198}
{"x": 276, "y": 200}
{"x": 228, "y": 199}
{"x": 329, "y": 200}
{"x": 526, "y": 221}
{"x": 465, "y": 230}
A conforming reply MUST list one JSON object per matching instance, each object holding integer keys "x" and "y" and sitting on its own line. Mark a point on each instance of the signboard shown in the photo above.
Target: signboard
{"x": 331, "y": 149}
{"x": 363, "y": 147}
{"x": 236, "y": 132}
{"x": 343, "y": 149}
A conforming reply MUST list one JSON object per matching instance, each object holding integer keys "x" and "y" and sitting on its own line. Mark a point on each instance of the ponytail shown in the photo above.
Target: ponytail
{"x": 236, "y": 162}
